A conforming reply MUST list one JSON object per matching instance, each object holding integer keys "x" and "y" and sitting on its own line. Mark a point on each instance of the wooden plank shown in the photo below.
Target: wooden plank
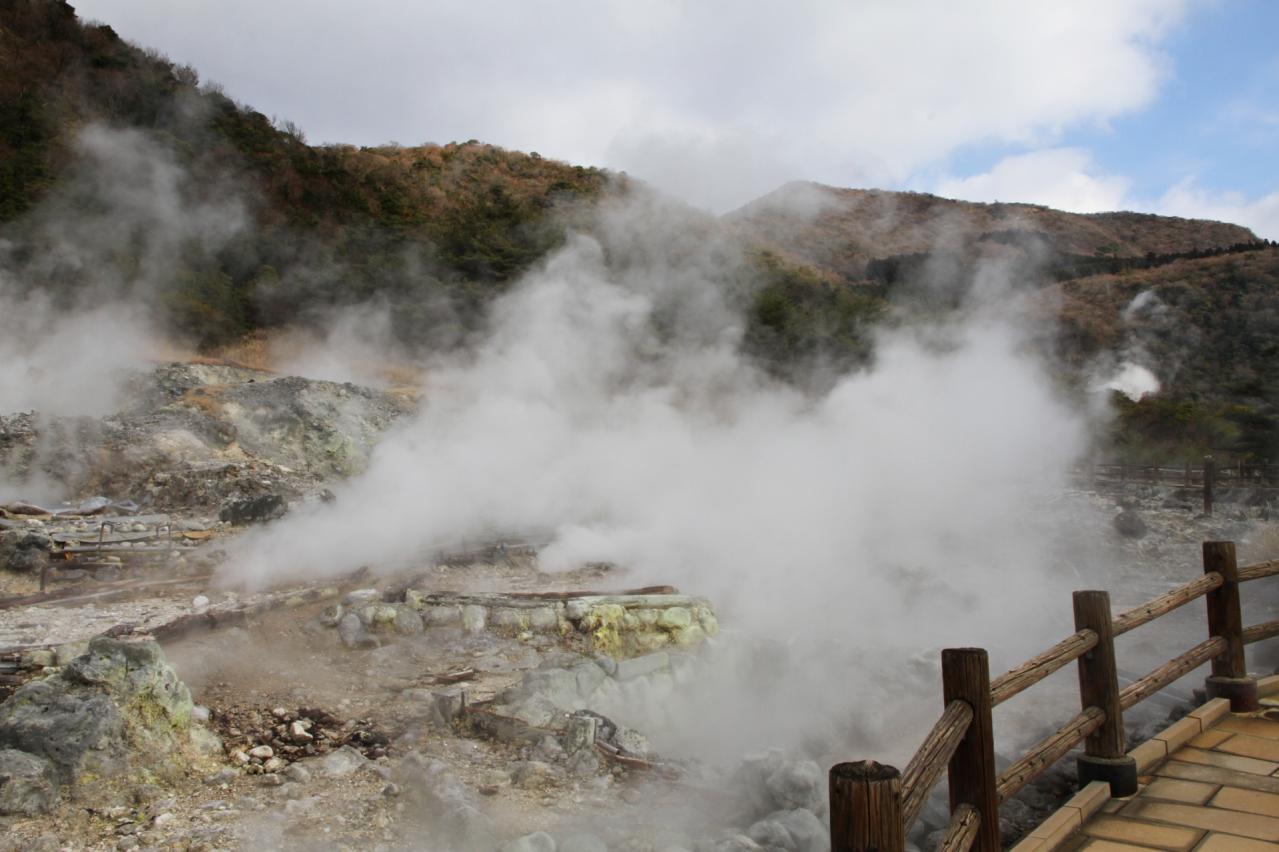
{"x": 1037, "y": 668}
{"x": 1170, "y": 671}
{"x": 1258, "y": 632}
{"x": 1051, "y": 749}
{"x": 932, "y": 758}
{"x": 962, "y": 830}
{"x": 1259, "y": 570}
{"x": 1166, "y": 602}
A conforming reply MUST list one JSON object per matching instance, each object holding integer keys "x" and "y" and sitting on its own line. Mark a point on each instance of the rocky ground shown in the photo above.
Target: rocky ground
{"x": 468, "y": 701}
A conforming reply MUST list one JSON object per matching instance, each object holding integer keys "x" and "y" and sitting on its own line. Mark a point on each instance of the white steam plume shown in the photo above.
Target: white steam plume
{"x": 888, "y": 515}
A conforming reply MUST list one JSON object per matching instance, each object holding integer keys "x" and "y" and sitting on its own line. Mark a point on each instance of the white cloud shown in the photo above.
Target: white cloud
{"x": 1067, "y": 179}
{"x": 1189, "y": 199}
{"x": 1057, "y": 177}
{"x": 840, "y": 93}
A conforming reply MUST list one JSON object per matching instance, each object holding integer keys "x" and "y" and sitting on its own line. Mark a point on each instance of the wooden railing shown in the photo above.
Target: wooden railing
{"x": 1206, "y": 477}
{"x": 873, "y": 806}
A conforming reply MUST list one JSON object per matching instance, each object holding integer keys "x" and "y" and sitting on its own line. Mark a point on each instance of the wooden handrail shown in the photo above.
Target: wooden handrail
{"x": 1037, "y": 668}
{"x": 1140, "y": 690}
{"x": 962, "y": 830}
{"x": 1047, "y": 752}
{"x": 1265, "y": 630}
{"x": 1167, "y": 602}
{"x": 1261, "y": 569}
{"x": 926, "y": 767}
{"x": 962, "y": 739}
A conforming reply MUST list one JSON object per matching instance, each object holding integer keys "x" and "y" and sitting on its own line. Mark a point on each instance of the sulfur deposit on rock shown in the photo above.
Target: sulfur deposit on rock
{"x": 207, "y": 437}
{"x": 621, "y": 626}
{"x": 117, "y": 709}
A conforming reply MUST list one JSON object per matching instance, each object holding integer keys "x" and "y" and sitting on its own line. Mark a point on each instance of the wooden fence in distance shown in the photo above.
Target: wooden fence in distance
{"x": 1207, "y": 477}
{"x": 873, "y": 806}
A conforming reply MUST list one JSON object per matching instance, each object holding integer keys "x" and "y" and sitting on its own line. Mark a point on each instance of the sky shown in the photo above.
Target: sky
{"x": 1166, "y": 106}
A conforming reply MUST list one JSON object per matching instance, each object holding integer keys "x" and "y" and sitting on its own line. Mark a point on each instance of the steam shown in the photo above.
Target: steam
{"x": 1133, "y": 381}
{"x": 609, "y": 405}
{"x": 82, "y": 275}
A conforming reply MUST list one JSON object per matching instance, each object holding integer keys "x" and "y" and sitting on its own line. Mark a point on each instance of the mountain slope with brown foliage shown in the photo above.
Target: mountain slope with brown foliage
{"x": 843, "y": 230}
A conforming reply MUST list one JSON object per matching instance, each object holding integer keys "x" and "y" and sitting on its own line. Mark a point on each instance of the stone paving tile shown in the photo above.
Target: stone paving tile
{"x": 1249, "y": 725}
{"x": 1172, "y": 789}
{"x": 1212, "y": 738}
{"x": 1112, "y": 846}
{"x": 1229, "y": 843}
{"x": 1250, "y": 746}
{"x": 1217, "y": 775}
{"x": 1192, "y": 816}
{"x": 1227, "y": 761}
{"x": 1251, "y": 801}
{"x": 1121, "y": 830}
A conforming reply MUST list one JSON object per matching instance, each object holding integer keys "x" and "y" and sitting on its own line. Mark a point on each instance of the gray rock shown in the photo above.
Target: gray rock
{"x": 474, "y": 618}
{"x": 433, "y": 790}
{"x": 342, "y": 762}
{"x": 605, "y": 662}
{"x": 631, "y": 741}
{"x": 298, "y": 774}
{"x": 640, "y": 666}
{"x": 798, "y": 784}
{"x": 559, "y": 685}
{"x": 24, "y": 551}
{"x": 254, "y": 510}
{"x": 353, "y": 633}
{"x": 407, "y": 621}
{"x": 446, "y": 705}
{"x": 533, "y": 773}
{"x": 119, "y": 699}
{"x": 1130, "y": 525}
{"x": 807, "y": 832}
{"x": 361, "y": 596}
{"x": 28, "y": 785}
{"x": 589, "y": 676}
{"x": 771, "y": 835}
{"x": 582, "y": 843}
{"x": 538, "y": 841}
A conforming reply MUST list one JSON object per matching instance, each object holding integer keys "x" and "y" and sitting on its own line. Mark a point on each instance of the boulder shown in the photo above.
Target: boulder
{"x": 28, "y": 785}
{"x": 24, "y": 551}
{"x": 118, "y": 708}
{"x": 1129, "y": 524}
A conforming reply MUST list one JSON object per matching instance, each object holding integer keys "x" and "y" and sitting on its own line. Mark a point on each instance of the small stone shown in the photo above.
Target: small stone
{"x": 275, "y": 764}
{"x": 391, "y": 790}
{"x": 163, "y": 819}
{"x": 361, "y": 596}
{"x": 262, "y": 752}
{"x": 342, "y": 762}
{"x": 538, "y": 841}
{"x": 241, "y": 757}
{"x": 298, "y": 732}
{"x": 675, "y": 618}
{"x": 199, "y": 602}
{"x": 474, "y": 618}
{"x": 298, "y": 773}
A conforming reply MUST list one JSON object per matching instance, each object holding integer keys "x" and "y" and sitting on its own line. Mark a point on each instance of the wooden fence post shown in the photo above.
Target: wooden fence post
{"x": 1229, "y": 677}
{"x": 866, "y": 808}
{"x": 1103, "y": 758}
{"x": 1210, "y": 473}
{"x": 966, "y": 676}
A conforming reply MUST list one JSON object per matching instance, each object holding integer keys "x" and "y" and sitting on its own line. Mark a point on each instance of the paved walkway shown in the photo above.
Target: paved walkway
{"x": 1216, "y": 791}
